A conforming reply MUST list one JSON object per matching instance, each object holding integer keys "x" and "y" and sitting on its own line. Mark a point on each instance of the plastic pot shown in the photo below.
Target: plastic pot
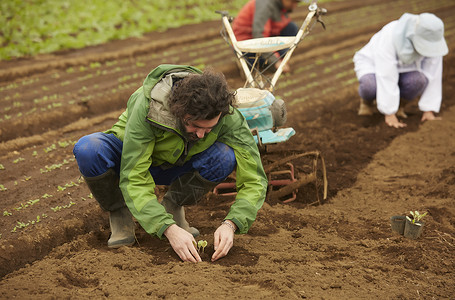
{"x": 413, "y": 231}
{"x": 398, "y": 224}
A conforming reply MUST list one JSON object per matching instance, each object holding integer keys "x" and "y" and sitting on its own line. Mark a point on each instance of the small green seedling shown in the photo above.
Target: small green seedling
{"x": 201, "y": 244}
{"x": 416, "y": 217}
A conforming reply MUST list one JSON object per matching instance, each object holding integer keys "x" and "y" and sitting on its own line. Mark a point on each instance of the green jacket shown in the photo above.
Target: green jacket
{"x": 151, "y": 137}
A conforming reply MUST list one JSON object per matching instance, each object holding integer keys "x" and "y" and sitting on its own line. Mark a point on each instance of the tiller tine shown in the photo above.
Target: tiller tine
{"x": 286, "y": 183}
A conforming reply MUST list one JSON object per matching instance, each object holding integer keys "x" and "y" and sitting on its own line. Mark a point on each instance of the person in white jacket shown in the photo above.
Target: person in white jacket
{"x": 402, "y": 61}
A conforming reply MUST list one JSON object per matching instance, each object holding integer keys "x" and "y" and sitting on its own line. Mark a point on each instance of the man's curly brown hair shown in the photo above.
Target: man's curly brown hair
{"x": 201, "y": 96}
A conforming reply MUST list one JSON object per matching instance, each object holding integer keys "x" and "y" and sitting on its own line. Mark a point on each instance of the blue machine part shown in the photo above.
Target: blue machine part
{"x": 255, "y": 105}
{"x": 270, "y": 137}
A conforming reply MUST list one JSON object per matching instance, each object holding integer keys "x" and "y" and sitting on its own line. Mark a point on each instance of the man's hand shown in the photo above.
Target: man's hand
{"x": 183, "y": 243}
{"x": 392, "y": 121}
{"x": 223, "y": 240}
{"x": 429, "y": 116}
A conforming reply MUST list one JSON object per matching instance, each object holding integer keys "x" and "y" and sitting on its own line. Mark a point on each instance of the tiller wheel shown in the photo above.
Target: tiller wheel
{"x": 304, "y": 171}
{"x": 289, "y": 175}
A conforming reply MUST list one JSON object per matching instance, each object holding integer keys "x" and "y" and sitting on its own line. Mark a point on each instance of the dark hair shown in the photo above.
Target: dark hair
{"x": 202, "y": 96}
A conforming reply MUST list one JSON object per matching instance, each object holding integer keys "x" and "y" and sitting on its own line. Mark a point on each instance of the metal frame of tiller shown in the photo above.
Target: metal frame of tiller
{"x": 284, "y": 182}
{"x": 254, "y": 76}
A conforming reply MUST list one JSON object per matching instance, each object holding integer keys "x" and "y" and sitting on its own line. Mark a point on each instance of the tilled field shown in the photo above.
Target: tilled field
{"x": 53, "y": 234}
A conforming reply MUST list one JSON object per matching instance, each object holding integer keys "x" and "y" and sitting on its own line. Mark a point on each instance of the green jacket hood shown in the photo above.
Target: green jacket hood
{"x": 157, "y": 88}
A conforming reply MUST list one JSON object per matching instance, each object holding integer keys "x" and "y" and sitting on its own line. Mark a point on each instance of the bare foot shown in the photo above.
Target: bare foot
{"x": 393, "y": 121}
{"x": 429, "y": 116}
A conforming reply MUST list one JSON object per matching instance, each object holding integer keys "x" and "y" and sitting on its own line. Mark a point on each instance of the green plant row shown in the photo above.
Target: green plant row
{"x": 44, "y": 26}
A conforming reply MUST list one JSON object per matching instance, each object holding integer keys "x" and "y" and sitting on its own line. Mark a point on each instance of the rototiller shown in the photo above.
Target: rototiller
{"x": 266, "y": 114}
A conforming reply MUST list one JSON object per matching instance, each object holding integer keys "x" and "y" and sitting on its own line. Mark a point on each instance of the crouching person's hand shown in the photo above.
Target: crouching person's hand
{"x": 223, "y": 239}
{"x": 183, "y": 243}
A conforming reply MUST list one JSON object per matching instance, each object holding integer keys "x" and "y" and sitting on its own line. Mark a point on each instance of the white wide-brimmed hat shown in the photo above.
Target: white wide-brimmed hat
{"x": 428, "y": 39}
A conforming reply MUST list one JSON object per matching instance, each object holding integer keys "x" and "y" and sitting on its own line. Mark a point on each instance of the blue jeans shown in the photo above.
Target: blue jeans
{"x": 411, "y": 85}
{"x": 98, "y": 152}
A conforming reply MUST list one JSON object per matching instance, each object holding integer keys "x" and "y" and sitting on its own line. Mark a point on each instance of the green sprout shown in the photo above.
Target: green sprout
{"x": 18, "y": 160}
{"x": 63, "y": 144}
{"x": 31, "y": 202}
{"x": 23, "y": 206}
{"x": 201, "y": 244}
{"x": 416, "y": 217}
{"x": 21, "y": 225}
{"x": 50, "y": 148}
{"x": 57, "y": 208}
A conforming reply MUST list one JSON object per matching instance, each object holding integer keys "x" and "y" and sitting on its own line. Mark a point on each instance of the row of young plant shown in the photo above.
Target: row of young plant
{"x": 55, "y": 158}
{"x": 12, "y": 91}
{"x": 319, "y": 86}
{"x": 353, "y": 19}
{"x": 50, "y": 97}
{"x": 14, "y": 213}
{"x": 127, "y": 81}
{"x": 309, "y": 71}
{"x": 25, "y": 83}
{"x": 36, "y": 154}
{"x": 19, "y": 225}
{"x": 47, "y": 103}
{"x": 321, "y": 91}
{"x": 56, "y": 25}
{"x": 333, "y": 71}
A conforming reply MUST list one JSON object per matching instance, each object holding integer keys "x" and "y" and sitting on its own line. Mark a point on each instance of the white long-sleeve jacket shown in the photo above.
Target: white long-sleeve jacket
{"x": 380, "y": 57}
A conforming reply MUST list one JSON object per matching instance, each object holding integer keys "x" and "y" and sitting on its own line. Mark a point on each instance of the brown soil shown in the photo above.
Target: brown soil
{"x": 343, "y": 248}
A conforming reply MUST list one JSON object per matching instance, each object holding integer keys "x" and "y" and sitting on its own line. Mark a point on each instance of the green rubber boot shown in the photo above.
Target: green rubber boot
{"x": 105, "y": 189}
{"x": 122, "y": 228}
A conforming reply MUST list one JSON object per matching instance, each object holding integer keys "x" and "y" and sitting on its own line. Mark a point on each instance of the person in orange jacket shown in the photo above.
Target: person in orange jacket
{"x": 266, "y": 18}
